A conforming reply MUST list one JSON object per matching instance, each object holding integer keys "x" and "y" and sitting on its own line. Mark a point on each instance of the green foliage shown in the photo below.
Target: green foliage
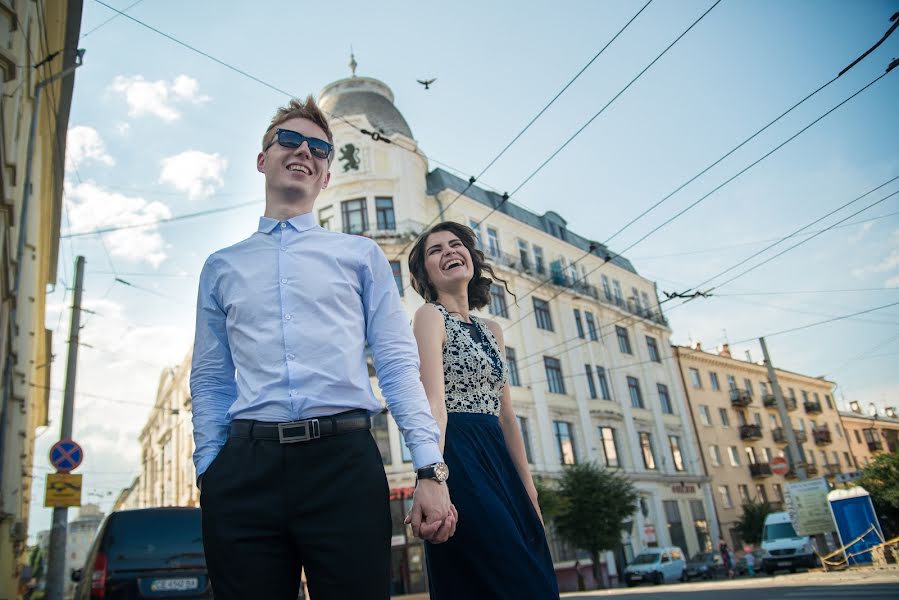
{"x": 881, "y": 480}
{"x": 752, "y": 521}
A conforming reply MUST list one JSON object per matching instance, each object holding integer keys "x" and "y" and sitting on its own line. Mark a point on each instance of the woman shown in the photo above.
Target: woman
{"x": 499, "y": 549}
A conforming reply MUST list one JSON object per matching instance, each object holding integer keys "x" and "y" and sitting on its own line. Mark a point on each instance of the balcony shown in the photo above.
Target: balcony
{"x": 875, "y": 446}
{"x": 822, "y": 436}
{"x": 831, "y": 469}
{"x": 760, "y": 470}
{"x": 780, "y": 435}
{"x": 801, "y": 436}
{"x": 769, "y": 400}
{"x": 740, "y": 398}
{"x": 750, "y": 433}
{"x": 812, "y": 408}
{"x": 811, "y": 469}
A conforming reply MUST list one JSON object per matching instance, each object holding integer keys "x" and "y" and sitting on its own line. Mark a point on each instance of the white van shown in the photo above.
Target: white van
{"x": 656, "y": 565}
{"x": 783, "y": 548}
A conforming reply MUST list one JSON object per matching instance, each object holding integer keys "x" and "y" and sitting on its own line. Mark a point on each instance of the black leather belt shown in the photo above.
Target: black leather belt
{"x": 305, "y": 430}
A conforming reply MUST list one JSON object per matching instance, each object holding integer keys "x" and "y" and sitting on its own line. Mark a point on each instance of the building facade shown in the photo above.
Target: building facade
{"x": 32, "y": 148}
{"x": 870, "y": 432}
{"x": 79, "y": 537}
{"x": 740, "y": 431}
{"x": 593, "y": 377}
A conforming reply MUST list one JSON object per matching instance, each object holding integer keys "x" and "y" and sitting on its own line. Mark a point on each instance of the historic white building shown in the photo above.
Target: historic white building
{"x": 594, "y": 377}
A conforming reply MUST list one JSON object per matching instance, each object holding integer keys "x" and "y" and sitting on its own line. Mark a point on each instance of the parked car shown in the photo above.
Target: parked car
{"x": 656, "y": 565}
{"x": 704, "y": 565}
{"x": 783, "y": 548}
{"x": 146, "y": 553}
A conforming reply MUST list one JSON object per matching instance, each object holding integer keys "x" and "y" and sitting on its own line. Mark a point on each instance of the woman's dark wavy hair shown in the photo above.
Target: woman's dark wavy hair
{"x": 478, "y": 287}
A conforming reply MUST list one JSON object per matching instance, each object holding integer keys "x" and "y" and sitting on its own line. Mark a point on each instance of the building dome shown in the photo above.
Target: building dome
{"x": 364, "y": 96}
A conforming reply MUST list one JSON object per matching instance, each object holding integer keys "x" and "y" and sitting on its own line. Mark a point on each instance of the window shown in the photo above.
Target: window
{"x": 524, "y": 256}
{"x": 525, "y": 436}
{"x": 734, "y": 456}
{"x": 751, "y": 455}
{"x": 747, "y": 385}
{"x": 701, "y": 525}
{"x": 724, "y": 492}
{"x": 397, "y": 269}
{"x": 476, "y": 227}
{"x": 757, "y": 417}
{"x": 731, "y": 382}
{"x": 858, "y": 438}
{"x": 578, "y": 323}
{"x": 635, "y": 296}
{"x": 538, "y": 260}
{"x": 646, "y": 305}
{"x": 616, "y": 292}
{"x": 609, "y": 446}
{"x": 565, "y": 442}
{"x": 675, "y": 525}
{"x": 763, "y": 388}
{"x": 512, "y": 365}
{"x": 665, "y": 399}
{"x": 633, "y": 387}
{"x": 382, "y": 439}
{"x": 829, "y": 401}
{"x": 498, "y": 301}
{"x": 704, "y": 415}
{"x": 695, "y": 380}
{"x": 715, "y": 455}
{"x": 653, "y": 349}
{"x": 591, "y": 385}
{"x": 492, "y": 242}
{"x": 743, "y": 491}
{"x": 591, "y": 326}
{"x": 713, "y": 378}
{"x": 778, "y": 491}
{"x": 603, "y": 383}
{"x": 836, "y": 458}
{"x": 649, "y": 459}
{"x": 804, "y": 396}
{"x": 554, "y": 375}
{"x": 848, "y": 459}
{"x": 326, "y": 217}
{"x": 676, "y": 454}
{"x": 384, "y": 212}
{"x": 760, "y": 493}
{"x": 606, "y": 290}
{"x": 725, "y": 417}
{"x": 624, "y": 341}
{"x": 541, "y": 313}
{"x": 772, "y": 421}
{"x": 354, "y": 216}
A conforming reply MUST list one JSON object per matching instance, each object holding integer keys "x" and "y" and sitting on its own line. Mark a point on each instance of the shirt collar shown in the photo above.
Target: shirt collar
{"x": 301, "y": 222}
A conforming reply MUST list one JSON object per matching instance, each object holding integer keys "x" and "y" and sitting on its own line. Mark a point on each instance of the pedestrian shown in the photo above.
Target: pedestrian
{"x": 289, "y": 474}
{"x": 726, "y": 558}
{"x": 749, "y": 557}
{"x": 499, "y": 549}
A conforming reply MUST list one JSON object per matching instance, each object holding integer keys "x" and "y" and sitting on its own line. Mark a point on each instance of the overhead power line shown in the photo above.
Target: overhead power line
{"x": 810, "y": 325}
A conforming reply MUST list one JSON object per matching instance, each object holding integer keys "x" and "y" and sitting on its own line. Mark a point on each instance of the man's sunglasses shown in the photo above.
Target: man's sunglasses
{"x": 291, "y": 139}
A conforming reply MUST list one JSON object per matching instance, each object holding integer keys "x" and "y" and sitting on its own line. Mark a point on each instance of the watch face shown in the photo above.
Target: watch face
{"x": 441, "y": 472}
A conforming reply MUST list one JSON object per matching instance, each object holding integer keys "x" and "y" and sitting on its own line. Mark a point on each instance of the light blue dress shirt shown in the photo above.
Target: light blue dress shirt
{"x": 282, "y": 322}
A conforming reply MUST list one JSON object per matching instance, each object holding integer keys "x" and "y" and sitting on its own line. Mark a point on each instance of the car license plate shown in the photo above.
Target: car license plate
{"x": 174, "y": 585}
{"x": 784, "y": 563}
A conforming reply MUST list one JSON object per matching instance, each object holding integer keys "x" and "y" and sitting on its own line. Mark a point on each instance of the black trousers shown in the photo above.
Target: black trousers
{"x": 270, "y": 509}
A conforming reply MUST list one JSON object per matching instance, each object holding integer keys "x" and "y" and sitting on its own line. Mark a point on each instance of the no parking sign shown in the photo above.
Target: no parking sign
{"x": 66, "y": 455}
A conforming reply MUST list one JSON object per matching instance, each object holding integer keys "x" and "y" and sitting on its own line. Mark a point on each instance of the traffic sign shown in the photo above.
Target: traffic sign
{"x": 780, "y": 466}
{"x": 66, "y": 455}
{"x": 63, "y": 489}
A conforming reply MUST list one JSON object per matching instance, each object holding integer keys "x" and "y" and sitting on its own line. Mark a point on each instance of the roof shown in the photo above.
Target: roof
{"x": 549, "y": 222}
{"x": 364, "y": 96}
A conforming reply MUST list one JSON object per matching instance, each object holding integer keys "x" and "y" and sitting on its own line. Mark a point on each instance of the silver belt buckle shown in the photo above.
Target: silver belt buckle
{"x": 310, "y": 431}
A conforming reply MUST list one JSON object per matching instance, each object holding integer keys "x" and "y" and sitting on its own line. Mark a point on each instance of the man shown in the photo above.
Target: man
{"x": 290, "y": 476}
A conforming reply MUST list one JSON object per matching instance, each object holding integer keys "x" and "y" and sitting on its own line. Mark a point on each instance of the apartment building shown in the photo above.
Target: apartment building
{"x": 739, "y": 428}
{"x": 870, "y": 432}
{"x": 32, "y": 147}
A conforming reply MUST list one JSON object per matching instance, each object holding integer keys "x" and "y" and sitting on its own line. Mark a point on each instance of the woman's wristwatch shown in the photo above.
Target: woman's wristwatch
{"x": 439, "y": 472}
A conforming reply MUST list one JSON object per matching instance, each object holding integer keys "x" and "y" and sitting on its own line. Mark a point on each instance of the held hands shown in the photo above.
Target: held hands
{"x": 433, "y": 517}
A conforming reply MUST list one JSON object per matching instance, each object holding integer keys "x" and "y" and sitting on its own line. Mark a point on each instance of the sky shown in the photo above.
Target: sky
{"x": 158, "y": 130}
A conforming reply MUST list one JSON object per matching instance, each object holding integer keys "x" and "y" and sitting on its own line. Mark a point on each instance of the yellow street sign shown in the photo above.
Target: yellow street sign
{"x": 63, "y": 489}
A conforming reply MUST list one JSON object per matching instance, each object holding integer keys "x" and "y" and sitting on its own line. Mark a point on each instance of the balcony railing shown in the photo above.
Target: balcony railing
{"x": 875, "y": 446}
{"x": 832, "y": 469}
{"x": 760, "y": 469}
{"x": 780, "y": 435}
{"x": 822, "y": 436}
{"x": 812, "y": 408}
{"x": 750, "y": 432}
{"x": 811, "y": 469}
{"x": 769, "y": 400}
{"x": 740, "y": 398}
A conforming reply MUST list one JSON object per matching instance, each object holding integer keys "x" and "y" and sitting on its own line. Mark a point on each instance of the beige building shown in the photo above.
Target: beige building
{"x": 593, "y": 375}
{"x": 740, "y": 430}
{"x": 29, "y": 241}
{"x": 870, "y": 432}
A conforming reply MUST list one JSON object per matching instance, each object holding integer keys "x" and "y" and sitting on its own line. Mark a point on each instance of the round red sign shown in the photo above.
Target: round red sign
{"x": 780, "y": 466}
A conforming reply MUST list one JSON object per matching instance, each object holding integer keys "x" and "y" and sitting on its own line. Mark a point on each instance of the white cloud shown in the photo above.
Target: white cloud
{"x": 84, "y": 144}
{"x": 861, "y": 233}
{"x": 888, "y": 263}
{"x": 92, "y": 207}
{"x": 892, "y": 282}
{"x": 157, "y": 98}
{"x": 197, "y": 173}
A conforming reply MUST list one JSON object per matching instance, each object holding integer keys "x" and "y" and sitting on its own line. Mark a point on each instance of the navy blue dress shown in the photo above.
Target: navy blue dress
{"x": 499, "y": 549}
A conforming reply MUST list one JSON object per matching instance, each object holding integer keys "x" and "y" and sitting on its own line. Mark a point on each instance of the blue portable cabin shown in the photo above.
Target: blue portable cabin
{"x": 857, "y": 524}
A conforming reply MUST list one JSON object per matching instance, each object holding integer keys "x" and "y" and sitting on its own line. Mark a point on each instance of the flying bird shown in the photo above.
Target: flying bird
{"x": 426, "y": 82}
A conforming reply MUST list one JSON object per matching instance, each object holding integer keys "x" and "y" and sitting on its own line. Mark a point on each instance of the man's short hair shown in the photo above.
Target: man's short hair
{"x": 299, "y": 110}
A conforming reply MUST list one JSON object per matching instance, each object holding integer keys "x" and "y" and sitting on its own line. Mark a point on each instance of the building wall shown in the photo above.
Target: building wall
{"x": 29, "y": 31}
{"x": 869, "y": 434}
{"x": 719, "y": 424}
{"x": 79, "y": 538}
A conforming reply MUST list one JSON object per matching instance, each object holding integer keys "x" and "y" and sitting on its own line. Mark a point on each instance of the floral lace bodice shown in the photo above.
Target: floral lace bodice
{"x": 473, "y": 374}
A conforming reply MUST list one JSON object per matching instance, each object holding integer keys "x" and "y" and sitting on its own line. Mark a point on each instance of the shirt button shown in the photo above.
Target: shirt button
{"x": 291, "y": 356}
{"x": 283, "y": 225}
{"x": 294, "y": 392}
{"x": 287, "y": 317}
{"x": 283, "y": 280}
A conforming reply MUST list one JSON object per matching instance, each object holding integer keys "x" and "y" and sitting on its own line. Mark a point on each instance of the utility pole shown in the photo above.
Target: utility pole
{"x": 797, "y": 455}
{"x": 56, "y": 561}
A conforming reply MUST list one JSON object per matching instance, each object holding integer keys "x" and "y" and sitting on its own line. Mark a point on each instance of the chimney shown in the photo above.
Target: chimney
{"x": 697, "y": 346}
{"x": 724, "y": 350}
{"x": 748, "y": 356}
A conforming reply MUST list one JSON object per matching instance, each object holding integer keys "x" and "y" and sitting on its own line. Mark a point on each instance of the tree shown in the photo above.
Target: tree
{"x": 752, "y": 521}
{"x": 589, "y": 507}
{"x": 881, "y": 480}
